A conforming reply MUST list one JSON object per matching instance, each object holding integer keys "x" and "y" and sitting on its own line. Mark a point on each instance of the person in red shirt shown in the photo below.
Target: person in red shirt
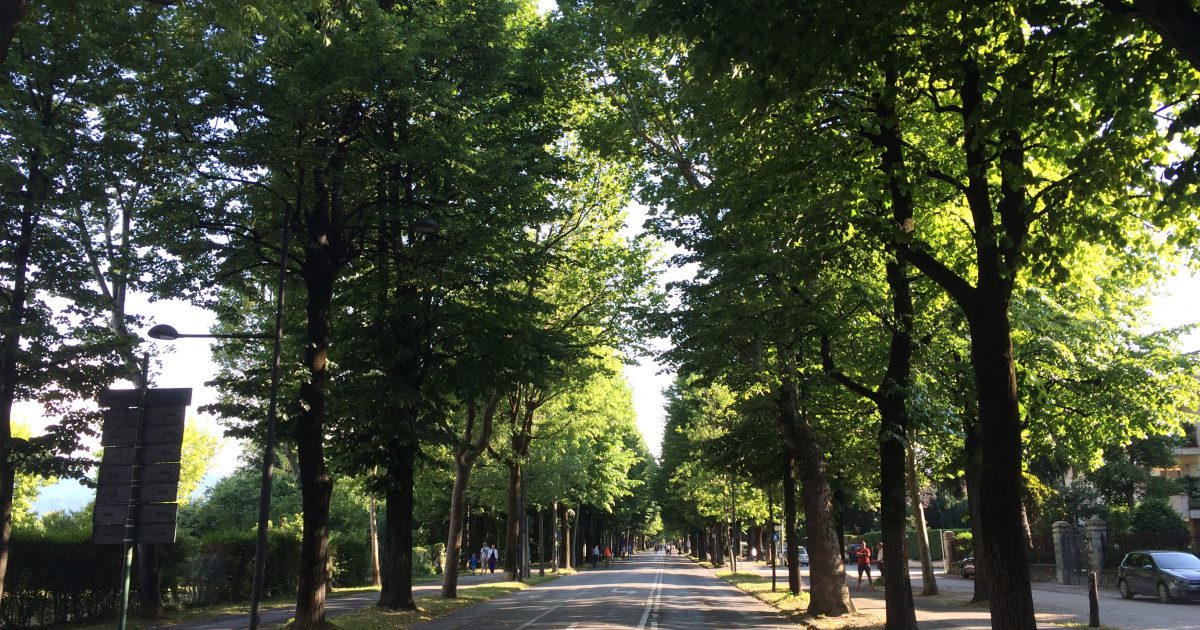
{"x": 863, "y": 555}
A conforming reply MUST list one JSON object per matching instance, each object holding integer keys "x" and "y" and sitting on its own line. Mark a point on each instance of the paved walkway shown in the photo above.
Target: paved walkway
{"x": 1056, "y": 604}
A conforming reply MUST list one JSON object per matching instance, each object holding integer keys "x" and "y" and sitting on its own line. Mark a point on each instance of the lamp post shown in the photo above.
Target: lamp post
{"x": 165, "y": 332}
{"x": 168, "y": 333}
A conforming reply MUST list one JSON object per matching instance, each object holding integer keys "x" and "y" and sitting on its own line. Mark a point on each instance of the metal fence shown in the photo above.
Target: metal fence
{"x": 1116, "y": 546}
{"x": 1041, "y": 548}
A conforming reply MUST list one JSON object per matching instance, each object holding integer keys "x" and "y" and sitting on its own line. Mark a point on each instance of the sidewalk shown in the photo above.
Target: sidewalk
{"x": 951, "y": 608}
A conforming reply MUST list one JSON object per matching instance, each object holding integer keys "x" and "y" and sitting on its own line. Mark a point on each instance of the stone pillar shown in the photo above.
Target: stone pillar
{"x": 1061, "y": 532}
{"x": 948, "y": 558}
{"x": 1096, "y": 530}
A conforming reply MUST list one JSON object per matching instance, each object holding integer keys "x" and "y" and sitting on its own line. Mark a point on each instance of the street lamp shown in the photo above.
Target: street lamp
{"x": 166, "y": 332}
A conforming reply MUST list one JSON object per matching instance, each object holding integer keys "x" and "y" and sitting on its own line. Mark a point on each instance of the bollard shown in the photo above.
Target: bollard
{"x": 1093, "y": 600}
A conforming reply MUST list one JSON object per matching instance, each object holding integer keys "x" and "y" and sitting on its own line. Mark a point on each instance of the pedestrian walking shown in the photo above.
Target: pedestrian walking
{"x": 863, "y": 555}
{"x": 595, "y": 555}
{"x": 473, "y": 562}
{"x": 493, "y": 556}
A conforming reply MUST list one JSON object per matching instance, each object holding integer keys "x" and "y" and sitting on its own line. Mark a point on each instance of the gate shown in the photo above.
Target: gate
{"x": 1075, "y": 556}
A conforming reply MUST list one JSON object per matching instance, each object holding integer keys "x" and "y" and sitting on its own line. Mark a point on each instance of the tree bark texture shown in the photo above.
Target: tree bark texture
{"x": 465, "y": 454}
{"x": 12, "y": 322}
{"x": 928, "y": 578}
{"x": 997, "y": 254}
{"x": 149, "y": 583}
{"x": 316, "y": 484}
{"x": 373, "y": 526}
{"x": 396, "y": 593}
{"x": 828, "y": 593}
{"x": 512, "y": 539}
{"x": 892, "y": 393}
{"x": 974, "y": 463}
{"x": 792, "y": 552}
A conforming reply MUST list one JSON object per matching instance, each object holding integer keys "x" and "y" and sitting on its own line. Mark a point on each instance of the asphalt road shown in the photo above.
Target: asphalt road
{"x": 649, "y": 591}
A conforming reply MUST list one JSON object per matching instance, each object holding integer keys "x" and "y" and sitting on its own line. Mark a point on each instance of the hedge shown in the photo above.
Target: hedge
{"x": 54, "y": 580}
{"x": 914, "y": 549}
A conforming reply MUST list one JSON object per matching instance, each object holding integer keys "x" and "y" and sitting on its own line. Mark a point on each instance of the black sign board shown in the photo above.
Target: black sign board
{"x": 151, "y": 534}
{"x": 154, "y": 416}
{"x": 151, "y": 493}
{"x": 169, "y": 397}
{"x": 151, "y": 454}
{"x": 139, "y": 472}
{"x": 146, "y": 514}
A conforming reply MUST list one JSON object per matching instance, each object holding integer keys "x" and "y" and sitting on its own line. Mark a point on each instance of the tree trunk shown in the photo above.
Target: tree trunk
{"x": 11, "y": 325}
{"x": 458, "y": 496}
{"x": 791, "y": 539}
{"x": 149, "y": 582}
{"x": 512, "y": 539}
{"x": 568, "y": 551}
{"x": 373, "y": 525}
{"x": 396, "y": 593}
{"x": 893, "y": 390}
{"x": 914, "y": 494}
{"x": 465, "y": 454}
{"x": 1003, "y": 535}
{"x": 828, "y": 592}
{"x": 316, "y": 484}
{"x": 983, "y": 581}
{"x": 525, "y": 557}
{"x": 901, "y": 614}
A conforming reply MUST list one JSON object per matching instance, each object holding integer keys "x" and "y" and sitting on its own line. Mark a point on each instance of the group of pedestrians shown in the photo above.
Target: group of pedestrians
{"x": 485, "y": 560}
{"x": 607, "y": 554}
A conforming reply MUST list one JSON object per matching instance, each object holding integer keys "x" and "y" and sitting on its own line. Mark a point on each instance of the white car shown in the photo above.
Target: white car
{"x": 802, "y": 556}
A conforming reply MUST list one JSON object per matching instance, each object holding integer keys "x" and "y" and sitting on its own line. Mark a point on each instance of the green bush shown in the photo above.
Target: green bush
{"x": 964, "y": 544}
{"x": 58, "y": 579}
{"x": 60, "y": 576}
{"x": 914, "y": 546}
{"x": 1155, "y": 516}
{"x": 223, "y": 568}
{"x": 351, "y": 562}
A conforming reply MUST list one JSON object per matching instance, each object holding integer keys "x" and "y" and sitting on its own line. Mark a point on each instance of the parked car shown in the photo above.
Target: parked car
{"x": 1166, "y": 574}
{"x": 802, "y": 553}
{"x": 966, "y": 566}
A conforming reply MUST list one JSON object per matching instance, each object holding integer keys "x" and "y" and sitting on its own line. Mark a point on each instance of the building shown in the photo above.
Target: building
{"x": 1187, "y": 464}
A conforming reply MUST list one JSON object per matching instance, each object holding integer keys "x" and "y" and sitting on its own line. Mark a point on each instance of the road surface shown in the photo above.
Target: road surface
{"x": 647, "y": 592}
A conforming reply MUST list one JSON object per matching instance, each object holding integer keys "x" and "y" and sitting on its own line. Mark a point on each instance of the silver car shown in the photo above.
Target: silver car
{"x": 802, "y": 555}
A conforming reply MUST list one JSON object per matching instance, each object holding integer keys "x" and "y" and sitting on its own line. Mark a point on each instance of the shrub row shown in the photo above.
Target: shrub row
{"x": 53, "y": 580}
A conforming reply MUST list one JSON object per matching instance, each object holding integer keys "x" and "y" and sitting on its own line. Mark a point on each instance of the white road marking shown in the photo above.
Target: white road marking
{"x": 573, "y": 626}
{"x": 547, "y": 612}
{"x": 652, "y": 599}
